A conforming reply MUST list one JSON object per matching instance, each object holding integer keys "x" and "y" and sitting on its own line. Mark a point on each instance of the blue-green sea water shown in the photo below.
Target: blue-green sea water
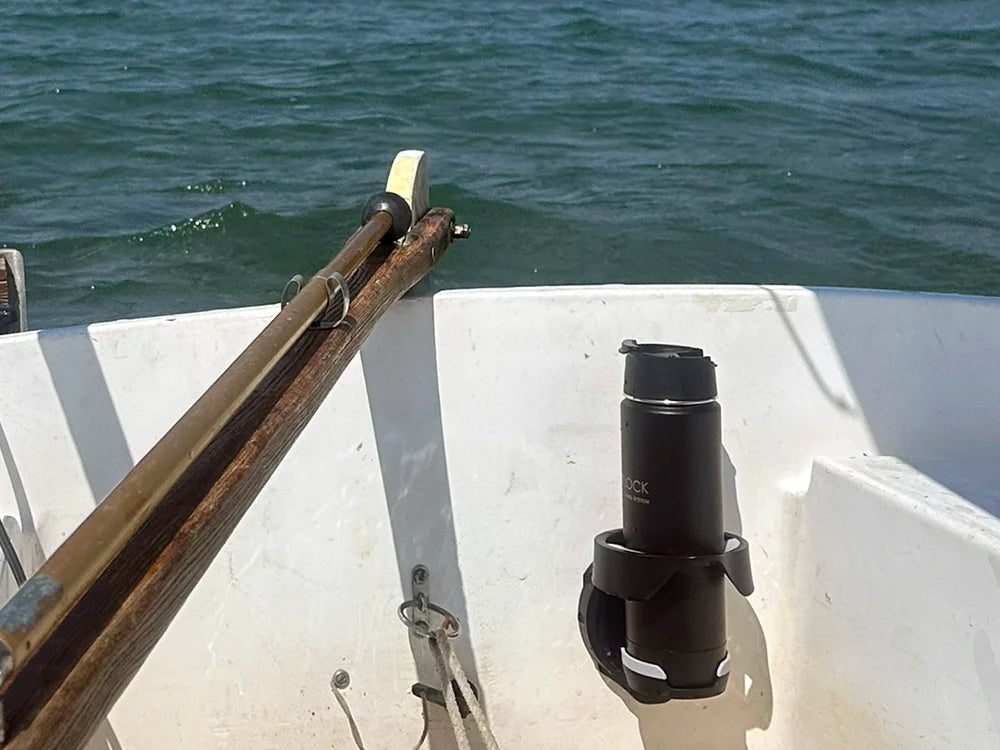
{"x": 169, "y": 156}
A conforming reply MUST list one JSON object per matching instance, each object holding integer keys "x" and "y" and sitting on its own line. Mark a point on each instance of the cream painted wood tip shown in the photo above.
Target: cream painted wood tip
{"x": 408, "y": 178}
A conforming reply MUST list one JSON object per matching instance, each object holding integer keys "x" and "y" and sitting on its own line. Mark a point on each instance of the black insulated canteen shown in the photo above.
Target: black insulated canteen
{"x": 652, "y": 611}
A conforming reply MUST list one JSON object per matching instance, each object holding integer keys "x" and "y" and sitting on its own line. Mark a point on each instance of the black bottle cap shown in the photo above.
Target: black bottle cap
{"x": 666, "y": 372}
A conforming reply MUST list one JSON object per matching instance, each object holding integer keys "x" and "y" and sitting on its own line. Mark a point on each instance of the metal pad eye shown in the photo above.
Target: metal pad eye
{"x": 411, "y": 608}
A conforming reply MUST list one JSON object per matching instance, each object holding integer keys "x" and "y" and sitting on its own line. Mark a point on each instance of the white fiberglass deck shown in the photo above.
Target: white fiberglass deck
{"x": 478, "y": 434}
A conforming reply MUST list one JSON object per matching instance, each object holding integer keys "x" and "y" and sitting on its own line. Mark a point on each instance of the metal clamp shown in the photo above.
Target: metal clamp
{"x": 334, "y": 282}
{"x": 415, "y": 613}
{"x": 286, "y": 297}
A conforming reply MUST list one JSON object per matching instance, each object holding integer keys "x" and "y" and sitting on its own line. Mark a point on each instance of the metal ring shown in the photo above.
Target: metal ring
{"x": 285, "y": 296}
{"x": 335, "y": 282}
{"x": 668, "y": 401}
{"x": 453, "y": 628}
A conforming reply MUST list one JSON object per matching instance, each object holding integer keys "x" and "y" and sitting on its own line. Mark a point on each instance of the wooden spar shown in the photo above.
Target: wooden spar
{"x": 33, "y": 614}
{"x": 63, "y": 578}
{"x": 77, "y": 636}
{"x": 207, "y": 502}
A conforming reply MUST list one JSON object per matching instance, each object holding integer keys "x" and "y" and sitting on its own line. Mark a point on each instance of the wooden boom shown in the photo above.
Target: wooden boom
{"x": 75, "y": 634}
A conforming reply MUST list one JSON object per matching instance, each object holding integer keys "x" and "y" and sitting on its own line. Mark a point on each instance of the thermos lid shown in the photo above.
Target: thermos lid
{"x": 667, "y": 372}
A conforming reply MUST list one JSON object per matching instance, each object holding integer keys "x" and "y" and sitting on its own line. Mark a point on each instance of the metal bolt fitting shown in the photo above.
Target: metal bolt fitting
{"x": 420, "y": 574}
{"x": 341, "y": 679}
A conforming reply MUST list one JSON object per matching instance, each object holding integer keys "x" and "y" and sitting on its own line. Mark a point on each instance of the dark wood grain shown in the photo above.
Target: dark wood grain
{"x": 141, "y": 592}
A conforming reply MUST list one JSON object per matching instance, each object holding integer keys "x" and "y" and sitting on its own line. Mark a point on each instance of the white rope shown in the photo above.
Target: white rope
{"x": 450, "y": 668}
{"x": 423, "y": 734}
{"x": 356, "y": 733}
{"x": 450, "y": 672}
{"x": 478, "y": 715}
{"x": 438, "y": 643}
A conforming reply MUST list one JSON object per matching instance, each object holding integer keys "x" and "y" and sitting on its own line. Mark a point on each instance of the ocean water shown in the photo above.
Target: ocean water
{"x": 163, "y": 157}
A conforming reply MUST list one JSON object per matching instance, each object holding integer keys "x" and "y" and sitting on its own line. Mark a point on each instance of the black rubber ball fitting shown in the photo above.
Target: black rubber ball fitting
{"x": 396, "y": 207}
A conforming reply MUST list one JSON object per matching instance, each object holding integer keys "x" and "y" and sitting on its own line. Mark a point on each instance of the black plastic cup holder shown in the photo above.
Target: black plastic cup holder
{"x": 619, "y": 574}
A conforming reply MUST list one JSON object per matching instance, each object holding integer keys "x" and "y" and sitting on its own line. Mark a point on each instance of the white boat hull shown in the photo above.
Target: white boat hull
{"x": 478, "y": 435}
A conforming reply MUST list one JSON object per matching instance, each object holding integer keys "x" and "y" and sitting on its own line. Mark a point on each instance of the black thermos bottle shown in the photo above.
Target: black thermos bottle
{"x": 672, "y": 505}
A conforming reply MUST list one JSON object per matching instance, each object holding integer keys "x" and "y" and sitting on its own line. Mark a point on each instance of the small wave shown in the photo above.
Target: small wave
{"x": 232, "y": 255}
{"x": 589, "y": 29}
{"x": 795, "y": 62}
{"x": 8, "y": 197}
{"x": 213, "y": 186}
{"x": 62, "y": 15}
{"x": 218, "y": 219}
{"x": 249, "y": 232}
{"x": 980, "y": 34}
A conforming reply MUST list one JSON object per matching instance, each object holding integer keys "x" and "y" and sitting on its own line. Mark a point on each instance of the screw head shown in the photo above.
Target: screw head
{"x": 341, "y": 679}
